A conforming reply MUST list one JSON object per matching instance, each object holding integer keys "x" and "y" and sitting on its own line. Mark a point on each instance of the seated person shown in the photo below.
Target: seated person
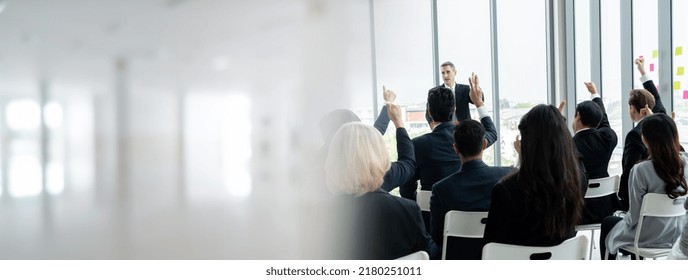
{"x": 375, "y": 224}
{"x": 595, "y": 141}
{"x": 664, "y": 172}
{"x": 634, "y": 150}
{"x": 540, "y": 204}
{"x": 468, "y": 189}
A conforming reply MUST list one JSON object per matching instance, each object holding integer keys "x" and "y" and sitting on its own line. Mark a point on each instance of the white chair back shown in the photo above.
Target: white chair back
{"x": 602, "y": 186}
{"x": 575, "y": 248}
{"x": 657, "y": 205}
{"x": 423, "y": 199}
{"x": 420, "y": 255}
{"x": 463, "y": 224}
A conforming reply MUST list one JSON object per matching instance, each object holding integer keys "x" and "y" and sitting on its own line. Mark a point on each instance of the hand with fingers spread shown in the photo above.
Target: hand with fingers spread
{"x": 640, "y": 63}
{"x": 592, "y": 89}
{"x": 476, "y": 93}
{"x": 388, "y": 95}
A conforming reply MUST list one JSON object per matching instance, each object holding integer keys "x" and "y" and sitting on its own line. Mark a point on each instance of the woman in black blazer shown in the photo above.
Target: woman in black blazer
{"x": 375, "y": 225}
{"x": 541, "y": 204}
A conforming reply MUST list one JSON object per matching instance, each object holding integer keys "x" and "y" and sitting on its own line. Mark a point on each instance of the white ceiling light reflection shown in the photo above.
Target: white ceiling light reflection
{"x": 55, "y": 176}
{"x": 53, "y": 115}
{"x": 24, "y": 176}
{"x": 236, "y": 145}
{"x": 23, "y": 115}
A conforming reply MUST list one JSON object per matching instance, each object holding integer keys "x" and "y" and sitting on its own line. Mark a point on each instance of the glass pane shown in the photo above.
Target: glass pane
{"x": 522, "y": 66}
{"x": 645, "y": 38}
{"x": 614, "y": 99}
{"x": 403, "y": 41}
{"x": 468, "y": 48}
{"x": 680, "y": 90}
{"x": 582, "y": 35}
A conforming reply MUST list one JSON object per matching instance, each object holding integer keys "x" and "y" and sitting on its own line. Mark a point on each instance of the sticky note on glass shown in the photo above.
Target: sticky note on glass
{"x": 655, "y": 53}
{"x": 677, "y": 85}
{"x": 685, "y": 94}
{"x": 679, "y": 50}
{"x": 652, "y": 67}
{"x": 679, "y": 71}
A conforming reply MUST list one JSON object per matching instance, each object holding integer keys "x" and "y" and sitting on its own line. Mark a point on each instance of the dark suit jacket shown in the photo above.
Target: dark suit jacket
{"x": 596, "y": 146}
{"x": 436, "y": 158}
{"x": 462, "y": 98}
{"x": 634, "y": 149}
{"x": 469, "y": 189}
{"x": 384, "y": 227}
{"x": 404, "y": 168}
{"x": 508, "y": 222}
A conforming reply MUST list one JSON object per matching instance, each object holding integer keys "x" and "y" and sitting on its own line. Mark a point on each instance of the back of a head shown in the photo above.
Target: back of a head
{"x": 441, "y": 103}
{"x": 332, "y": 121}
{"x": 590, "y": 113}
{"x": 468, "y": 137}
{"x": 549, "y": 172}
{"x": 639, "y": 98}
{"x": 661, "y": 138}
{"x": 357, "y": 160}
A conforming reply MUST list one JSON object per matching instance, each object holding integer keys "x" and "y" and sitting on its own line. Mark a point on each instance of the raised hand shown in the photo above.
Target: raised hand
{"x": 517, "y": 144}
{"x": 388, "y": 95}
{"x": 394, "y": 113}
{"x": 562, "y": 106}
{"x": 592, "y": 89}
{"x": 644, "y": 112}
{"x": 640, "y": 63}
{"x": 476, "y": 93}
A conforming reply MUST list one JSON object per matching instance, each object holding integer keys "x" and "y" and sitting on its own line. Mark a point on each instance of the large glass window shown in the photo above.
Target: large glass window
{"x": 403, "y": 39}
{"x": 464, "y": 39}
{"x": 614, "y": 99}
{"x": 645, "y": 38}
{"x": 582, "y": 35}
{"x": 522, "y": 66}
{"x": 680, "y": 62}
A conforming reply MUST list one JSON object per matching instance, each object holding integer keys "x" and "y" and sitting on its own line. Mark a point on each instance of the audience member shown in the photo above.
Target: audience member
{"x": 382, "y": 226}
{"x": 542, "y": 202}
{"x": 595, "y": 141}
{"x": 468, "y": 189}
{"x": 664, "y": 172}
{"x": 634, "y": 150}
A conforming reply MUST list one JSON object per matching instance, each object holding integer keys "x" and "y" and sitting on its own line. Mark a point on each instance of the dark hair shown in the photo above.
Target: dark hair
{"x": 590, "y": 113}
{"x": 661, "y": 136}
{"x": 448, "y": 63}
{"x": 549, "y": 175}
{"x": 641, "y": 97}
{"x": 468, "y": 137}
{"x": 441, "y": 104}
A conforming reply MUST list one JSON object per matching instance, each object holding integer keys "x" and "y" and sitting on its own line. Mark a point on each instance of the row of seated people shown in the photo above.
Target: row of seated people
{"x": 537, "y": 204}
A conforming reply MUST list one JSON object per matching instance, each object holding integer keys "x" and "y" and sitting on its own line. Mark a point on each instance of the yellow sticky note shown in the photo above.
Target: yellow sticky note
{"x": 679, "y": 71}
{"x": 679, "y": 50}
{"x": 677, "y": 85}
{"x": 655, "y": 53}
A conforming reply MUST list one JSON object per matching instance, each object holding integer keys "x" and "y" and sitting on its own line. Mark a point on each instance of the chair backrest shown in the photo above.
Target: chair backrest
{"x": 658, "y": 205}
{"x": 423, "y": 199}
{"x": 463, "y": 224}
{"x": 602, "y": 186}
{"x": 575, "y": 248}
{"x": 420, "y": 255}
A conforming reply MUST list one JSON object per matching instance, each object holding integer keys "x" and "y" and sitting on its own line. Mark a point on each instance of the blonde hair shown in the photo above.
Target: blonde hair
{"x": 357, "y": 160}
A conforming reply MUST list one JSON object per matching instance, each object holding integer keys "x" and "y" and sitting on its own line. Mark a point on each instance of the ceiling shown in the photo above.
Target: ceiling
{"x": 167, "y": 44}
